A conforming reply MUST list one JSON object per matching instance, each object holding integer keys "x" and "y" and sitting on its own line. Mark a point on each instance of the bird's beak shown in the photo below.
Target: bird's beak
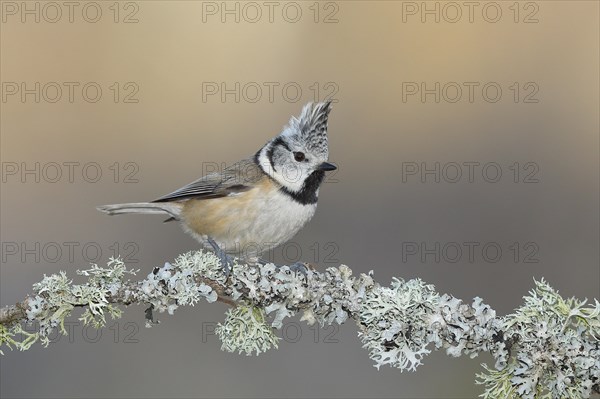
{"x": 326, "y": 166}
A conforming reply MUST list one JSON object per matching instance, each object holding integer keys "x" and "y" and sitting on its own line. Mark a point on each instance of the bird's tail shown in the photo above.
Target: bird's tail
{"x": 169, "y": 208}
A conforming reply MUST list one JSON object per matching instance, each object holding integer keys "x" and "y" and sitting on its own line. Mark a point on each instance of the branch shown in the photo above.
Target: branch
{"x": 547, "y": 348}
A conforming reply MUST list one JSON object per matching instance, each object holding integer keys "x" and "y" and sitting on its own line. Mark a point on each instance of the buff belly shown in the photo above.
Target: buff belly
{"x": 249, "y": 223}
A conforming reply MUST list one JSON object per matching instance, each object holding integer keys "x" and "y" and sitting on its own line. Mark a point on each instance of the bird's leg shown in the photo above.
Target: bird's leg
{"x": 226, "y": 260}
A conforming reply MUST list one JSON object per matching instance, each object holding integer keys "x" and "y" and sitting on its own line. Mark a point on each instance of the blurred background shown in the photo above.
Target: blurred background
{"x": 467, "y": 140}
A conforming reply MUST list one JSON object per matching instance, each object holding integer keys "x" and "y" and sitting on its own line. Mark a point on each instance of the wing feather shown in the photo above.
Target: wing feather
{"x": 237, "y": 178}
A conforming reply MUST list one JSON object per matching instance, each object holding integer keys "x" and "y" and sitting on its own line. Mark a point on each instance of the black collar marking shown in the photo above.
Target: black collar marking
{"x": 308, "y": 193}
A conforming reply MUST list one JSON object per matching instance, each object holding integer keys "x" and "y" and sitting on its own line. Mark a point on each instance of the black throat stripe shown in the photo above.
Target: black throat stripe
{"x": 308, "y": 193}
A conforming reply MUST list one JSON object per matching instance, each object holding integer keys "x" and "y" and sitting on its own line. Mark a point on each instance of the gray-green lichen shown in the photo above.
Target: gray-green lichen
{"x": 555, "y": 349}
{"x": 56, "y": 296}
{"x": 246, "y": 331}
{"x": 548, "y": 348}
{"x": 395, "y": 323}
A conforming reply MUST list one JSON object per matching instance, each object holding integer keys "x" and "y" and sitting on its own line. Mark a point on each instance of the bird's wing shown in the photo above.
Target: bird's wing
{"x": 237, "y": 178}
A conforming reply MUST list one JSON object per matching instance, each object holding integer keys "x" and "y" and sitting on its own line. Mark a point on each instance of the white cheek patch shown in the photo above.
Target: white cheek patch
{"x": 291, "y": 177}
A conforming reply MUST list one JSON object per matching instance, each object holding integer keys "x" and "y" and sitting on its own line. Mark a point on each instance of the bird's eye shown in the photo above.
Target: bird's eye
{"x": 299, "y": 156}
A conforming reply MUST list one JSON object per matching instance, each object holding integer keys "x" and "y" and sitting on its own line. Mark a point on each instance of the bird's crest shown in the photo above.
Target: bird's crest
{"x": 311, "y": 126}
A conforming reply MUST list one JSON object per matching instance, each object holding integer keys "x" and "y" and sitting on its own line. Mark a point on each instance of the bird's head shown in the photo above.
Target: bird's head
{"x": 298, "y": 157}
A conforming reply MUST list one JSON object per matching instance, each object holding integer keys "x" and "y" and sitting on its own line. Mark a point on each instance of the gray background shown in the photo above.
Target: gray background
{"x": 368, "y": 213}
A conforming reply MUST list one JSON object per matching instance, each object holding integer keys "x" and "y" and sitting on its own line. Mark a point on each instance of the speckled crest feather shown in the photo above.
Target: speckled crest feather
{"x": 311, "y": 126}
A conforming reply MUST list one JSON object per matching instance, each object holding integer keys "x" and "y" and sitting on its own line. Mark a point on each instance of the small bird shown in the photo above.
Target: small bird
{"x": 255, "y": 204}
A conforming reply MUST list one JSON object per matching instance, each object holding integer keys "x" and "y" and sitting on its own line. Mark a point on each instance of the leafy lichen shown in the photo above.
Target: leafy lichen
{"x": 548, "y": 348}
{"x": 556, "y": 350}
{"x": 395, "y": 323}
{"x": 245, "y": 330}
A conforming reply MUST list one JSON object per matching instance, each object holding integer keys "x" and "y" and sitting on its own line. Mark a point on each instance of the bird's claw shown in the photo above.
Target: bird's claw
{"x": 299, "y": 267}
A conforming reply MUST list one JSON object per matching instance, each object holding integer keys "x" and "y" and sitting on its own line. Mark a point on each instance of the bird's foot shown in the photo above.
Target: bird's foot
{"x": 226, "y": 260}
{"x": 300, "y": 267}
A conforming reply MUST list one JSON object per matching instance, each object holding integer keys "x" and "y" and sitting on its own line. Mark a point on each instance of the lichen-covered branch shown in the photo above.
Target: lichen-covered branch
{"x": 547, "y": 348}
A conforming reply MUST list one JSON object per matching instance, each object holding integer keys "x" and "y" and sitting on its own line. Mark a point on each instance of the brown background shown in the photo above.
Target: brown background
{"x": 367, "y": 214}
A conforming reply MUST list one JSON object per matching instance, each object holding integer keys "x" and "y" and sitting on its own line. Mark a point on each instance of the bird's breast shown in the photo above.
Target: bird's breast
{"x": 247, "y": 223}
